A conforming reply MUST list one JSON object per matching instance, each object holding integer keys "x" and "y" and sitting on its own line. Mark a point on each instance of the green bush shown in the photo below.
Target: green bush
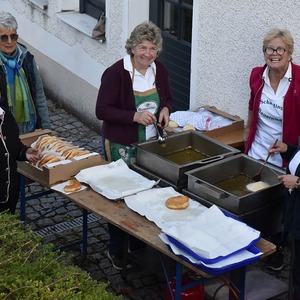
{"x": 31, "y": 270}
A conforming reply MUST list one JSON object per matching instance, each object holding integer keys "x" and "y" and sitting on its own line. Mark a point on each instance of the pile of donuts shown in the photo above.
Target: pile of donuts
{"x": 55, "y": 149}
{"x": 186, "y": 127}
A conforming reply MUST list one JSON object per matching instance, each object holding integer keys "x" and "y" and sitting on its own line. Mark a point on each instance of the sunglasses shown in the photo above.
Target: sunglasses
{"x": 13, "y": 37}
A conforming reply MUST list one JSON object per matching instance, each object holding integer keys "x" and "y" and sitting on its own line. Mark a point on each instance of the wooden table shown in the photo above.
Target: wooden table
{"x": 118, "y": 214}
{"x": 234, "y": 138}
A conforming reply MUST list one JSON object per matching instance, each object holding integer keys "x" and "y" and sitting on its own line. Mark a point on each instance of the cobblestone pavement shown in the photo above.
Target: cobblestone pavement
{"x": 63, "y": 226}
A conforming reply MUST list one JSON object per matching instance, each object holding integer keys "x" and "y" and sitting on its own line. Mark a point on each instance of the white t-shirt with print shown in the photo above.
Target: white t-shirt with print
{"x": 270, "y": 114}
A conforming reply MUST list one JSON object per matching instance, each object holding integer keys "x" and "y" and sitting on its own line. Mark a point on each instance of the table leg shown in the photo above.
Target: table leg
{"x": 238, "y": 281}
{"x": 125, "y": 256}
{"x": 178, "y": 282}
{"x": 84, "y": 233}
{"x": 22, "y": 199}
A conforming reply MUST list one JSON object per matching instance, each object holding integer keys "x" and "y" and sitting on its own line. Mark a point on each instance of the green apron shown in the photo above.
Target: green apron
{"x": 144, "y": 101}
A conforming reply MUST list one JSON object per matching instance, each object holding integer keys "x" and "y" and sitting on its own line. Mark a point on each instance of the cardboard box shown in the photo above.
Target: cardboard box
{"x": 49, "y": 175}
{"x": 231, "y": 135}
{"x": 29, "y": 138}
{"x": 238, "y": 123}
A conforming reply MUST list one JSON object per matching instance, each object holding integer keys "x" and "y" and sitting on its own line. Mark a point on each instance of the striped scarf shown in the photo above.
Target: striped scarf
{"x": 19, "y": 98}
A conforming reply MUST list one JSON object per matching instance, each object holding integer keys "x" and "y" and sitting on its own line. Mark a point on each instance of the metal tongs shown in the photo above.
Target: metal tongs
{"x": 159, "y": 137}
{"x": 257, "y": 177}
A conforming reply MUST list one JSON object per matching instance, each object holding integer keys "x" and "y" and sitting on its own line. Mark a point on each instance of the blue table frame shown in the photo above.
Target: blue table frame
{"x": 24, "y": 198}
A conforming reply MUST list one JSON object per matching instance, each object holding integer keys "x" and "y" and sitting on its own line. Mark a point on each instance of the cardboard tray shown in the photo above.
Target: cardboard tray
{"x": 59, "y": 172}
{"x": 237, "y": 125}
{"x": 28, "y": 138}
{"x": 49, "y": 175}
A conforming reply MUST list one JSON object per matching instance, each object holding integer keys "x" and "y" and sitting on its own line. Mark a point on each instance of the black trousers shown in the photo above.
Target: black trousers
{"x": 296, "y": 270}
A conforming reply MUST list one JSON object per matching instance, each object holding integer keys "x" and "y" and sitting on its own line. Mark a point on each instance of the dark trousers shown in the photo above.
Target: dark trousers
{"x": 115, "y": 244}
{"x": 296, "y": 270}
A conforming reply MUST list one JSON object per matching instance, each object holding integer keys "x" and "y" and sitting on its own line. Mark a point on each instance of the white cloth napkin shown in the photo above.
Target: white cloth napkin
{"x": 202, "y": 119}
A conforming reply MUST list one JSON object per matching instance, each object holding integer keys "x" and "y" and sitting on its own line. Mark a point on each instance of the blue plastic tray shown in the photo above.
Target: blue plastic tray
{"x": 228, "y": 268}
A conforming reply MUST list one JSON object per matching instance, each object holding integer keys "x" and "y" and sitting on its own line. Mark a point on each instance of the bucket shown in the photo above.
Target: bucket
{"x": 194, "y": 293}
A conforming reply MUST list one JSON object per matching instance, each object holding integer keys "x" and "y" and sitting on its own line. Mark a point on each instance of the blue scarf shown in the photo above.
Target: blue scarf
{"x": 19, "y": 98}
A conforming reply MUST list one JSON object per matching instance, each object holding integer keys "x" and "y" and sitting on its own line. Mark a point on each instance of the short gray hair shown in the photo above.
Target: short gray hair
{"x": 284, "y": 34}
{"x": 8, "y": 21}
{"x": 146, "y": 31}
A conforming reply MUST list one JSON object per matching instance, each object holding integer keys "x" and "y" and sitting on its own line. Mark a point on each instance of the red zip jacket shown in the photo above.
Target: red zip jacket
{"x": 291, "y": 106}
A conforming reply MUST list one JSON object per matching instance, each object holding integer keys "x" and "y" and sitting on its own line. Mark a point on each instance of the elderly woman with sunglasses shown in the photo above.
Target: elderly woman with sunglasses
{"x": 274, "y": 109}
{"x": 22, "y": 90}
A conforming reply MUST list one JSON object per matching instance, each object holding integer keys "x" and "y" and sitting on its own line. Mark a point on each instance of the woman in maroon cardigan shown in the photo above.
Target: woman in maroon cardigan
{"x": 134, "y": 93}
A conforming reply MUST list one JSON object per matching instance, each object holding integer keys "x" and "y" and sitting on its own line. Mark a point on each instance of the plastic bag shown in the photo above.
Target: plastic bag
{"x": 99, "y": 30}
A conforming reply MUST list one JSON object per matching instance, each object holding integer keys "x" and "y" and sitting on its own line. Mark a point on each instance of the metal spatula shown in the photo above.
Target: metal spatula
{"x": 257, "y": 177}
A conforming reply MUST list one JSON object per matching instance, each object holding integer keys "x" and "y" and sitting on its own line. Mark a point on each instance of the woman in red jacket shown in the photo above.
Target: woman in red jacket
{"x": 274, "y": 104}
{"x": 274, "y": 109}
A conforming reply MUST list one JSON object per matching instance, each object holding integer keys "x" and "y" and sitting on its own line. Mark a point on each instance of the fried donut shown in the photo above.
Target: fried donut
{"x": 83, "y": 152}
{"x": 188, "y": 127}
{"x": 177, "y": 202}
{"x": 56, "y": 144}
{"x": 72, "y": 186}
{"x": 45, "y": 159}
{"x": 43, "y": 145}
{"x": 41, "y": 139}
{"x": 256, "y": 186}
{"x": 64, "y": 148}
{"x": 53, "y": 160}
{"x": 173, "y": 124}
{"x": 72, "y": 153}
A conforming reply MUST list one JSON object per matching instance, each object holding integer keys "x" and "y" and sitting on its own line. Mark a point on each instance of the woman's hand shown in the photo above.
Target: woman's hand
{"x": 33, "y": 155}
{"x": 164, "y": 117}
{"x": 289, "y": 181}
{"x": 279, "y": 147}
{"x": 145, "y": 118}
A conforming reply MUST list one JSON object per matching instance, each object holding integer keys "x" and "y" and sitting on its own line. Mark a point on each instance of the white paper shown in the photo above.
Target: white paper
{"x": 114, "y": 180}
{"x": 60, "y": 188}
{"x": 151, "y": 204}
{"x": 237, "y": 258}
{"x": 212, "y": 234}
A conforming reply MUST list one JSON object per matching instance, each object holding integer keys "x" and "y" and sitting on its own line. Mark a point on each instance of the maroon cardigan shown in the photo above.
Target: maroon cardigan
{"x": 116, "y": 103}
{"x": 291, "y": 106}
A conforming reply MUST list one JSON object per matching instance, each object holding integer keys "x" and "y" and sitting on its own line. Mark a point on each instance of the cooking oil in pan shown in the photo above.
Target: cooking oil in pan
{"x": 235, "y": 185}
{"x": 185, "y": 156}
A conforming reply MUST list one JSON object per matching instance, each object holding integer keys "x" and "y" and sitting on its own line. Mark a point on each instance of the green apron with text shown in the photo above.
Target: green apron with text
{"x": 144, "y": 101}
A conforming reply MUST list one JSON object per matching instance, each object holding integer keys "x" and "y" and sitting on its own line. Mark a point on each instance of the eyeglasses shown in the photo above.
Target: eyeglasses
{"x": 13, "y": 37}
{"x": 279, "y": 50}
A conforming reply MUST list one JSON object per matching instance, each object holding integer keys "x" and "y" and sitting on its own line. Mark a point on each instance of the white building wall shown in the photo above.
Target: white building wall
{"x": 227, "y": 44}
{"x": 227, "y": 40}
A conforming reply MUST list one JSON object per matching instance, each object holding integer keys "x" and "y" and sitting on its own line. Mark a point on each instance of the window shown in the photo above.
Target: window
{"x": 92, "y": 8}
{"x": 177, "y": 19}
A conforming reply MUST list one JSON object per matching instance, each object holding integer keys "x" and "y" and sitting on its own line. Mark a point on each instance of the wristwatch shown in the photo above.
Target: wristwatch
{"x": 297, "y": 185}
